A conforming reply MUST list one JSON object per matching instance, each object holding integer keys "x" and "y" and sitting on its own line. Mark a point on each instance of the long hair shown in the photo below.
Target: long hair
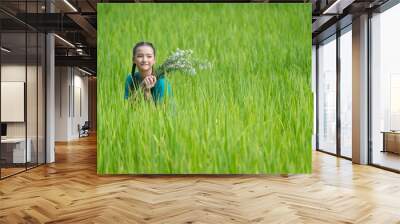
{"x": 137, "y": 45}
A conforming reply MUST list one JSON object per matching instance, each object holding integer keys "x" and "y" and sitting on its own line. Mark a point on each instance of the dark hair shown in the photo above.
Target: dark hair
{"x": 137, "y": 45}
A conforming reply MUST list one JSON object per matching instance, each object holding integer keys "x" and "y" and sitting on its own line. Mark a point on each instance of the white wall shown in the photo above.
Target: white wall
{"x": 70, "y": 83}
{"x": 80, "y": 84}
{"x": 62, "y": 82}
{"x": 13, "y": 101}
{"x": 13, "y": 72}
{"x": 16, "y": 72}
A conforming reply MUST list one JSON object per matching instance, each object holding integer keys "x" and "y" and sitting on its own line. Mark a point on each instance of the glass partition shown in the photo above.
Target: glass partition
{"x": 385, "y": 89}
{"x": 346, "y": 92}
{"x": 22, "y": 77}
{"x": 14, "y": 153}
{"x": 327, "y": 95}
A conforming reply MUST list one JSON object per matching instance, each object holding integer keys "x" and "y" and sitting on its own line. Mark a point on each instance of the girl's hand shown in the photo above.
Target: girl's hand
{"x": 149, "y": 82}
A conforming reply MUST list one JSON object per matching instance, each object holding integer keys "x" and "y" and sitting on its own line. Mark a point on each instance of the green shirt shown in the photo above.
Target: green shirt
{"x": 158, "y": 92}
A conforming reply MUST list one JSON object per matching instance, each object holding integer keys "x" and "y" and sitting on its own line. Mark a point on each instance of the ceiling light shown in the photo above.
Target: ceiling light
{"x": 64, "y": 40}
{"x": 338, "y": 6}
{"x": 5, "y": 49}
{"x": 84, "y": 71}
{"x": 70, "y": 5}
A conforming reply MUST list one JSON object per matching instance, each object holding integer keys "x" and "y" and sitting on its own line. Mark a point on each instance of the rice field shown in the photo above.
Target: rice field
{"x": 251, "y": 113}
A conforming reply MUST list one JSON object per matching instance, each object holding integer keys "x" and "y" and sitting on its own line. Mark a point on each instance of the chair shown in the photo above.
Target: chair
{"x": 84, "y": 130}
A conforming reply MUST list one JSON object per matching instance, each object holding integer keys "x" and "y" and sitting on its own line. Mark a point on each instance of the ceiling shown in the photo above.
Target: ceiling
{"x": 332, "y": 15}
{"x": 74, "y": 21}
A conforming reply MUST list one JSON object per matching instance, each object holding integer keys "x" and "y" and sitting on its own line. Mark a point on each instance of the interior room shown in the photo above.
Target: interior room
{"x": 49, "y": 136}
{"x": 22, "y": 103}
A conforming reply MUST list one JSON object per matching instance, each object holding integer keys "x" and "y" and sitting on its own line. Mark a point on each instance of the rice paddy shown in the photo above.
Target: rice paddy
{"x": 251, "y": 113}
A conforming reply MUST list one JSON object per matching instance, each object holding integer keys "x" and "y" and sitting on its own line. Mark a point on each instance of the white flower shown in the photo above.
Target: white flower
{"x": 181, "y": 60}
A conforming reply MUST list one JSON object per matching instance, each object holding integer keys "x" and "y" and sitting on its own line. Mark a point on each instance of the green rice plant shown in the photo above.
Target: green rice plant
{"x": 250, "y": 113}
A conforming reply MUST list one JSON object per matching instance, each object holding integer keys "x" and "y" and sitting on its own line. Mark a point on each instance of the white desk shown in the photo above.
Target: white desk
{"x": 19, "y": 149}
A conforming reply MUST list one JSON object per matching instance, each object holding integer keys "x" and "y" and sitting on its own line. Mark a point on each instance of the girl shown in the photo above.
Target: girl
{"x": 144, "y": 55}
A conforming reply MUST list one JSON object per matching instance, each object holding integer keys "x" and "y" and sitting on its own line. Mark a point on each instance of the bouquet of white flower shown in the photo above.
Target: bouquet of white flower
{"x": 182, "y": 60}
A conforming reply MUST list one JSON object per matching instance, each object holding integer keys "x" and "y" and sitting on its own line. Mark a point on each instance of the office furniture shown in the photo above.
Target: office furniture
{"x": 391, "y": 141}
{"x": 84, "y": 130}
{"x": 13, "y": 150}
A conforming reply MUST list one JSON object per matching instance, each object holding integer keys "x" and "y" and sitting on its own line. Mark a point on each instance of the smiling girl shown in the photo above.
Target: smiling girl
{"x": 144, "y": 55}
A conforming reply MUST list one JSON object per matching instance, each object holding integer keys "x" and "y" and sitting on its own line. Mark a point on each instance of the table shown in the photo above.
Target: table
{"x": 391, "y": 141}
{"x": 16, "y": 148}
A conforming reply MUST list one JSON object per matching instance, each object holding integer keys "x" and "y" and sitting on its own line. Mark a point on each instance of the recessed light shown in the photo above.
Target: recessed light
{"x": 84, "y": 71}
{"x": 337, "y": 7}
{"x": 64, "y": 40}
{"x": 71, "y": 6}
{"x": 5, "y": 49}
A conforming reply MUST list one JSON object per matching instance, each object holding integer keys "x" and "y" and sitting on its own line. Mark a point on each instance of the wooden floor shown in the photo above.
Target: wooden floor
{"x": 10, "y": 171}
{"x": 69, "y": 191}
{"x": 387, "y": 159}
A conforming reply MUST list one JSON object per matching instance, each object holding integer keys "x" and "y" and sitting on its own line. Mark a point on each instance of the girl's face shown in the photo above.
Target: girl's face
{"x": 144, "y": 58}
